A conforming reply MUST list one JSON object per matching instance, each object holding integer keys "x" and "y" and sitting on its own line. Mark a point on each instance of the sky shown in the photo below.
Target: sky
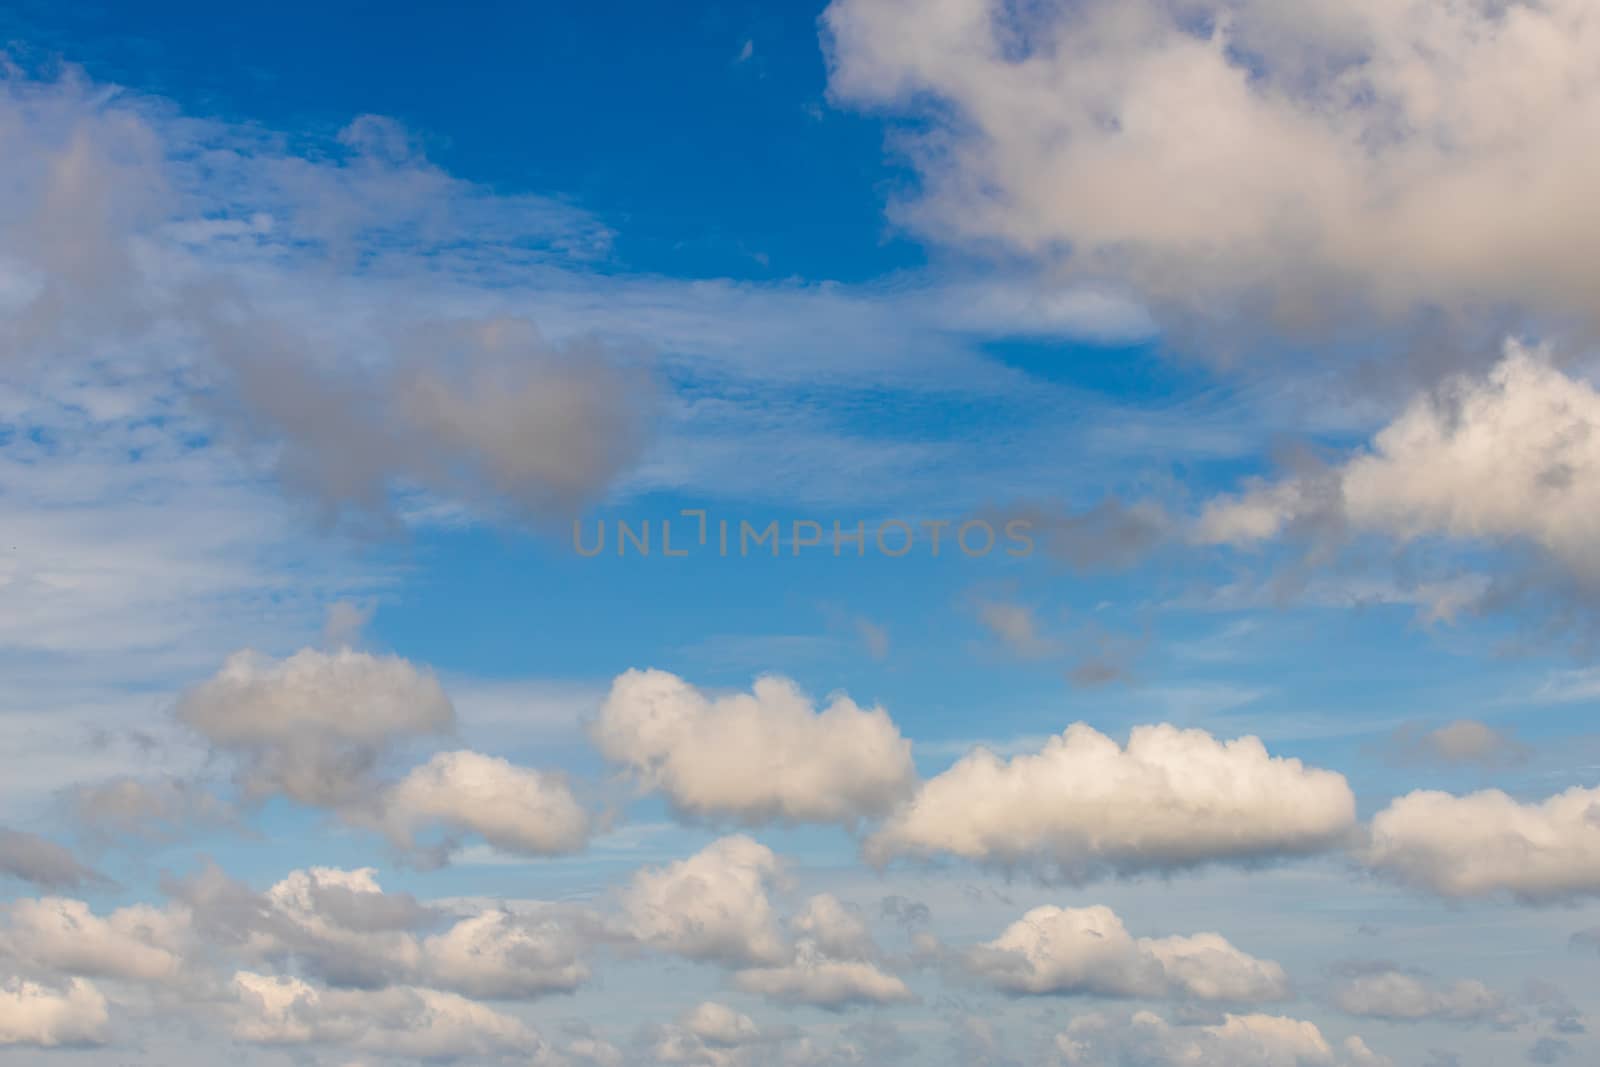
{"x": 880, "y": 532}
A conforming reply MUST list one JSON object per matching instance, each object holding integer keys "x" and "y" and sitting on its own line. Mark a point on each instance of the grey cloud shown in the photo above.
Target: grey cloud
{"x": 41, "y": 862}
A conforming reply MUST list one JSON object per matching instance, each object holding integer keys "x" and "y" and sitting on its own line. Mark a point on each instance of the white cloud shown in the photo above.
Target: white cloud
{"x": 314, "y": 725}
{"x": 500, "y": 955}
{"x": 813, "y": 978}
{"x": 397, "y": 1021}
{"x": 1488, "y": 843}
{"x": 1237, "y": 1041}
{"x": 513, "y": 808}
{"x": 711, "y": 906}
{"x": 138, "y": 943}
{"x": 1510, "y": 456}
{"x": 1085, "y": 806}
{"x": 1406, "y": 154}
{"x": 1391, "y": 994}
{"x": 340, "y": 927}
{"x": 768, "y": 754}
{"x": 1053, "y": 950}
{"x": 834, "y": 962}
{"x": 32, "y": 1014}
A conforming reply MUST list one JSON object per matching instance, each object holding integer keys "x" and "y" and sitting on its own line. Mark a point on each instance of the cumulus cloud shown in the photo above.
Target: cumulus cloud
{"x": 137, "y": 943}
{"x": 711, "y": 906}
{"x": 1396, "y": 154}
{"x": 1053, "y": 950}
{"x": 1387, "y": 993}
{"x": 341, "y": 928}
{"x": 1488, "y": 843}
{"x": 1237, "y": 1041}
{"x": 710, "y": 1034}
{"x": 1085, "y": 806}
{"x": 513, "y": 808}
{"x": 314, "y": 726}
{"x": 813, "y": 978}
{"x": 758, "y": 756}
{"x": 45, "y": 1017}
{"x": 397, "y": 1021}
{"x": 33, "y": 859}
{"x": 501, "y": 955}
{"x": 834, "y": 962}
{"x": 1511, "y": 456}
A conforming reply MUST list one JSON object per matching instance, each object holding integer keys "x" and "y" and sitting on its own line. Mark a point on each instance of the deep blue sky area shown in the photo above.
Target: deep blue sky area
{"x": 709, "y": 160}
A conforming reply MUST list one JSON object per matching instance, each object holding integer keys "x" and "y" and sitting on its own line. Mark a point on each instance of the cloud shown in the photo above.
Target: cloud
{"x": 1394, "y": 155}
{"x": 1085, "y": 807}
{"x": 812, "y": 978}
{"x": 44, "y": 1017}
{"x": 332, "y": 925}
{"x": 31, "y": 858}
{"x": 137, "y": 943}
{"x": 397, "y": 1021}
{"x": 1237, "y": 1041}
{"x": 754, "y": 757}
{"x": 834, "y": 963}
{"x": 1488, "y": 844}
{"x": 1067, "y": 951}
{"x": 499, "y": 955}
{"x": 1511, "y": 456}
{"x": 513, "y": 808}
{"x": 314, "y": 726}
{"x": 1395, "y": 995}
{"x": 711, "y": 906}
{"x": 482, "y": 411}
{"x": 1463, "y": 741}
{"x": 124, "y": 807}
{"x": 1017, "y": 628}
{"x": 340, "y": 928}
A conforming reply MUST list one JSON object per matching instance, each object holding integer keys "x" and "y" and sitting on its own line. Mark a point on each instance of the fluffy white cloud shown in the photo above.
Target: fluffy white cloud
{"x": 1508, "y": 456}
{"x": 833, "y": 963}
{"x": 1088, "y": 950}
{"x": 341, "y": 928}
{"x": 32, "y": 1014}
{"x": 1488, "y": 843}
{"x": 1402, "y": 153}
{"x": 1386, "y": 993}
{"x": 814, "y": 978}
{"x": 1085, "y": 806}
{"x": 138, "y": 942}
{"x": 514, "y": 808}
{"x": 1237, "y": 1041}
{"x": 767, "y": 754}
{"x": 314, "y": 725}
{"x": 398, "y": 1021}
{"x": 501, "y": 955}
{"x": 711, "y": 906}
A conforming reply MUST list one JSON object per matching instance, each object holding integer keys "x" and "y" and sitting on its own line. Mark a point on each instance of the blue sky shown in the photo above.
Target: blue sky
{"x": 325, "y": 329}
